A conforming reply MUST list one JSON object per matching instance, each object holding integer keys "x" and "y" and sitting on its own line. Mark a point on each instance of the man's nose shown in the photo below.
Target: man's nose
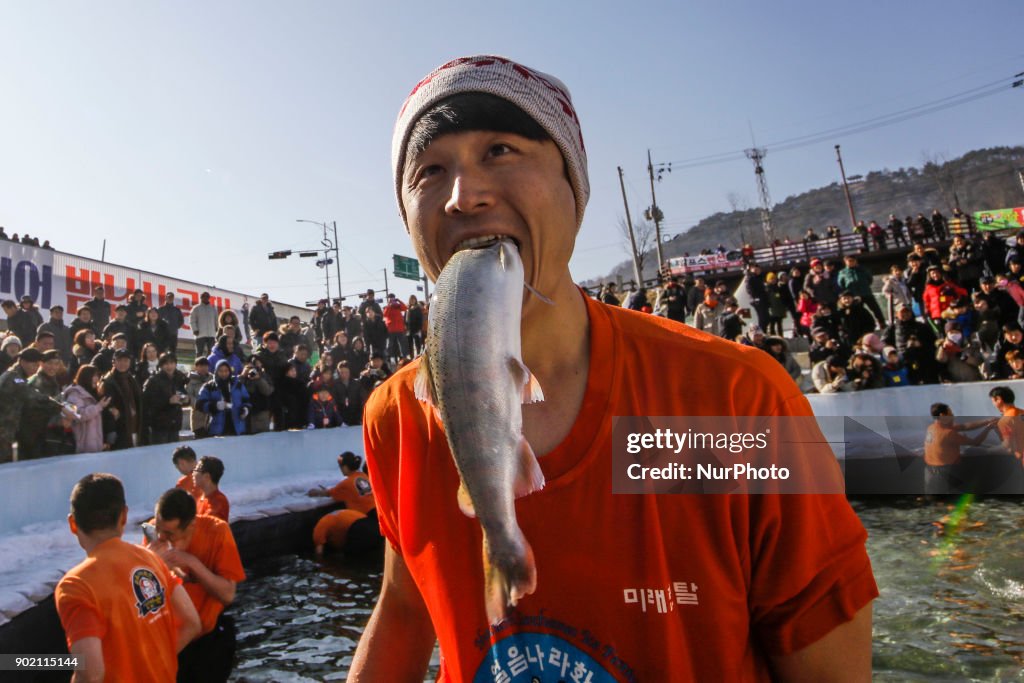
{"x": 471, "y": 192}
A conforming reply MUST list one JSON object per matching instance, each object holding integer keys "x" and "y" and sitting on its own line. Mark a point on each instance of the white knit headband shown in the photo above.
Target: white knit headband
{"x": 544, "y": 98}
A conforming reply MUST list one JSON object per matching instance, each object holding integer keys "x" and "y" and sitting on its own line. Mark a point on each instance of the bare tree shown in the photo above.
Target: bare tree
{"x": 939, "y": 170}
{"x": 645, "y": 236}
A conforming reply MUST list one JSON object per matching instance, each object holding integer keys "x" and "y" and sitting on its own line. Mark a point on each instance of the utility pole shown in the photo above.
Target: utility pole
{"x": 629, "y": 224}
{"x": 757, "y": 154}
{"x": 386, "y": 290}
{"x": 337, "y": 258}
{"x": 426, "y": 288}
{"x": 655, "y": 212}
{"x": 1020, "y": 174}
{"x": 846, "y": 189}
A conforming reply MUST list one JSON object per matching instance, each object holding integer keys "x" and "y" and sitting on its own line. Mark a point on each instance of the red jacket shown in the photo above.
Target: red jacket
{"x": 394, "y": 317}
{"x": 939, "y": 297}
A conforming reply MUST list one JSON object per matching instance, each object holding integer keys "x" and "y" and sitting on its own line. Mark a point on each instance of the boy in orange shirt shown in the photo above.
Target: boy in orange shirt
{"x": 184, "y": 459}
{"x": 122, "y": 610}
{"x": 630, "y": 587}
{"x": 202, "y": 550}
{"x": 206, "y": 476}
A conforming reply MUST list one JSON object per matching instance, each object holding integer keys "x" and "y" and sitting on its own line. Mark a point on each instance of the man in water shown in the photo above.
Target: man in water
{"x": 201, "y": 550}
{"x": 942, "y": 443}
{"x": 740, "y": 587}
{"x": 1011, "y": 424}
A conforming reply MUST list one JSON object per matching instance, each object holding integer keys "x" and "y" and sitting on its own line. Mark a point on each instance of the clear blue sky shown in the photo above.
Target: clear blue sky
{"x": 192, "y": 135}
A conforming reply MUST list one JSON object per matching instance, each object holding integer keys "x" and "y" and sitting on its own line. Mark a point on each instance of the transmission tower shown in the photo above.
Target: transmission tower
{"x": 757, "y": 154}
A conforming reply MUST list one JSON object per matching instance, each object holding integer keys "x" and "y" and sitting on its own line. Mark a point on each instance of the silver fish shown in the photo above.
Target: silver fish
{"x": 473, "y": 373}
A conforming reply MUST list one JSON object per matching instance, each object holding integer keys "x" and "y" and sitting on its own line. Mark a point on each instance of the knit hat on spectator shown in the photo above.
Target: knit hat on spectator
{"x": 542, "y": 97}
{"x": 10, "y": 341}
{"x": 889, "y": 350}
{"x": 30, "y": 355}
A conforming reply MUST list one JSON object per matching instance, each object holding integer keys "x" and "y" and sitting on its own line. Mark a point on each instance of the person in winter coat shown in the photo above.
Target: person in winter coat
{"x": 777, "y": 309}
{"x": 856, "y": 278}
{"x": 261, "y": 391}
{"x": 153, "y": 330}
{"x": 61, "y": 333}
{"x": 199, "y": 420}
{"x": 673, "y": 299}
{"x": 148, "y": 365}
{"x": 865, "y": 372}
{"x": 829, "y": 376}
{"x": 293, "y": 400}
{"x": 340, "y": 346}
{"x": 83, "y": 321}
{"x": 707, "y": 315}
{"x": 262, "y": 318}
{"x": 777, "y": 348}
{"x": 959, "y": 358}
{"x": 83, "y": 394}
{"x": 854, "y": 319}
{"x": 120, "y": 325}
{"x": 226, "y": 400}
{"x": 9, "y": 350}
{"x": 895, "y": 373}
{"x": 905, "y": 326}
{"x": 125, "y": 429}
{"x": 203, "y": 321}
{"x": 806, "y": 307}
{"x": 163, "y": 396}
{"x": 349, "y": 395}
{"x": 173, "y": 318}
{"x": 323, "y": 413}
{"x": 394, "y": 321}
{"x": 358, "y": 356}
{"x": 821, "y": 285}
{"x": 896, "y": 288}
{"x": 226, "y": 351}
{"x": 755, "y": 288}
{"x": 25, "y": 321}
{"x": 922, "y": 368}
{"x": 940, "y": 293}
{"x": 375, "y": 332}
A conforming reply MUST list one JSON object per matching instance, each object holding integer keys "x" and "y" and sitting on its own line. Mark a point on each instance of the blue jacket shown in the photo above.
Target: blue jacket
{"x": 210, "y": 394}
{"x": 233, "y": 360}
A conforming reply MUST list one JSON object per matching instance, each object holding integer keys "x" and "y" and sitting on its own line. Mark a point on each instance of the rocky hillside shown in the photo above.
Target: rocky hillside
{"x": 981, "y": 179}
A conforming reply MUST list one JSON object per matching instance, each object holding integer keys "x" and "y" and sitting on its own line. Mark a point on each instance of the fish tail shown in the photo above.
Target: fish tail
{"x": 508, "y": 576}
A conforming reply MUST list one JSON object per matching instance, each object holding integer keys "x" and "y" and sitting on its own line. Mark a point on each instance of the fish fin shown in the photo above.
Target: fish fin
{"x": 505, "y": 585}
{"x": 532, "y": 393}
{"x": 538, "y": 294}
{"x": 423, "y": 385}
{"x": 530, "y": 477}
{"x": 465, "y": 501}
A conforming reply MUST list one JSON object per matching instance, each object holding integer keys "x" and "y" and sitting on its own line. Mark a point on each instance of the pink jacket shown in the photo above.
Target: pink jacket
{"x": 88, "y": 428}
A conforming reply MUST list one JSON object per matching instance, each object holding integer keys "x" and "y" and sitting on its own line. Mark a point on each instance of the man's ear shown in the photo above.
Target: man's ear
{"x": 72, "y": 525}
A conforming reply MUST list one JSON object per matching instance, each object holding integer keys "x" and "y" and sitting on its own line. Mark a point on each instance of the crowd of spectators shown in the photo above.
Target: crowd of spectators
{"x": 111, "y": 378}
{"x": 953, "y": 315}
{"x": 24, "y": 239}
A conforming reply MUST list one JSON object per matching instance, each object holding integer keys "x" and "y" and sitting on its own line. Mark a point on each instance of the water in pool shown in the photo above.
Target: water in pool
{"x": 951, "y": 606}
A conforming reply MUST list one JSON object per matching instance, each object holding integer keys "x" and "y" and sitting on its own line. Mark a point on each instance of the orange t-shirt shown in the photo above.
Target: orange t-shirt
{"x": 1011, "y": 428}
{"x": 215, "y": 505}
{"x": 189, "y": 484}
{"x": 121, "y": 594}
{"x": 942, "y": 445}
{"x": 355, "y": 492}
{"x": 333, "y": 529}
{"x": 629, "y": 587}
{"x": 214, "y": 545}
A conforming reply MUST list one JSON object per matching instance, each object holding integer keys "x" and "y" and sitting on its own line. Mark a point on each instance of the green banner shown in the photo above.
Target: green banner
{"x": 999, "y": 219}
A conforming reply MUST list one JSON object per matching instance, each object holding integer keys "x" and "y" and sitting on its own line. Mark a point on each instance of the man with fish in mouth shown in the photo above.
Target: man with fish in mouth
{"x": 491, "y": 455}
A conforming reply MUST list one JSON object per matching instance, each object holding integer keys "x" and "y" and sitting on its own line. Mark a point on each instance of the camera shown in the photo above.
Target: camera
{"x": 253, "y": 374}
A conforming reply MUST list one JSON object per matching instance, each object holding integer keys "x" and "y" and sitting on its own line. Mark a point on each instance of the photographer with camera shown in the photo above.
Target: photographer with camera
{"x": 163, "y": 396}
{"x": 829, "y": 376}
{"x": 260, "y": 388}
{"x": 376, "y": 372}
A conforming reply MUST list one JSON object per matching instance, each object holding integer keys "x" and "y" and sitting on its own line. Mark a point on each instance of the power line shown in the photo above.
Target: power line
{"x": 971, "y": 95}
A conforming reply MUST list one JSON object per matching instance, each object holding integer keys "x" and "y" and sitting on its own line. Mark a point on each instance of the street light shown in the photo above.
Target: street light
{"x": 329, "y": 246}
